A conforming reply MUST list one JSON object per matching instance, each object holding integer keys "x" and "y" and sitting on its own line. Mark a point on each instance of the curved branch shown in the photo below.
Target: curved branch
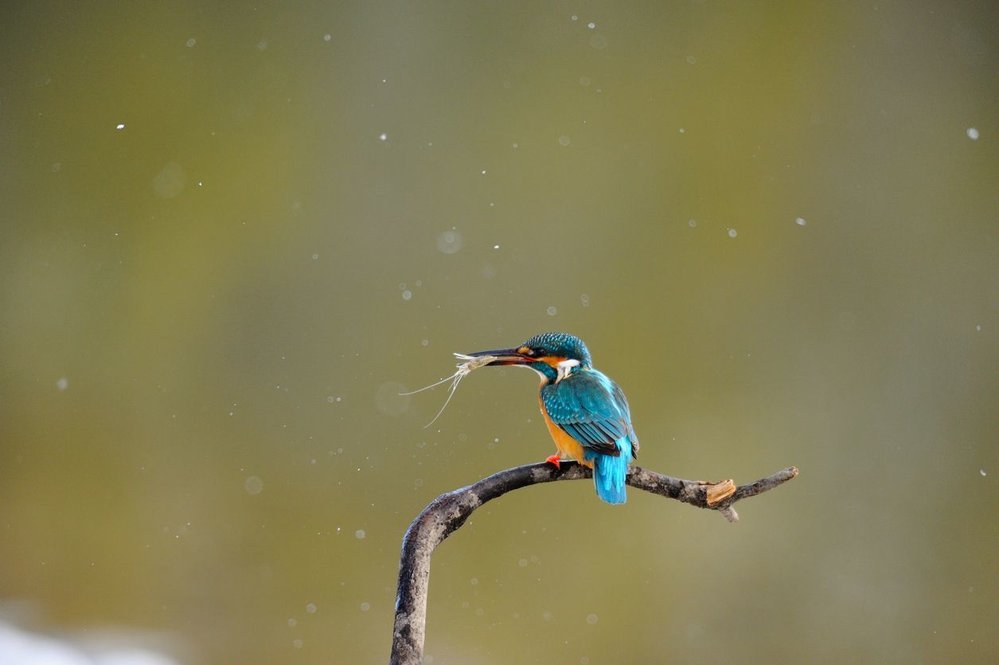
{"x": 449, "y": 511}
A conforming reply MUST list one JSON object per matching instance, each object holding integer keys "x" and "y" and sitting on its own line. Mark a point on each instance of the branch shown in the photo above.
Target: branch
{"x": 448, "y": 512}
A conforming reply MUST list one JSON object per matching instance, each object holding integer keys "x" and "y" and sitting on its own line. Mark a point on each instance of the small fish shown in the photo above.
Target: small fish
{"x": 463, "y": 369}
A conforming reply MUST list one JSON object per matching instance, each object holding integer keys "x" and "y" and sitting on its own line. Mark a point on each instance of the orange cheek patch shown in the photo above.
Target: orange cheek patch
{"x": 552, "y": 361}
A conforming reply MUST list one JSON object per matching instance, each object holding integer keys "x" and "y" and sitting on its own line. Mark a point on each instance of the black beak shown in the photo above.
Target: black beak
{"x": 505, "y": 357}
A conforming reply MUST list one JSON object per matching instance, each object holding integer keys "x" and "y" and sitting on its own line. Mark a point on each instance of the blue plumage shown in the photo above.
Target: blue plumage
{"x": 609, "y": 472}
{"x": 586, "y": 412}
{"x": 593, "y": 410}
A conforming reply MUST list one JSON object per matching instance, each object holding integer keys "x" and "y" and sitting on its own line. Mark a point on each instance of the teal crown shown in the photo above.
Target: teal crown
{"x": 560, "y": 344}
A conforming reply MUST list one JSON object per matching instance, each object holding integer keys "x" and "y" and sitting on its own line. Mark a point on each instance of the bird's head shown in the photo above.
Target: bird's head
{"x": 553, "y": 355}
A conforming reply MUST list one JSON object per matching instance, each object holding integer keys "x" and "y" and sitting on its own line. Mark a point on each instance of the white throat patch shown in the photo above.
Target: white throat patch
{"x": 565, "y": 368}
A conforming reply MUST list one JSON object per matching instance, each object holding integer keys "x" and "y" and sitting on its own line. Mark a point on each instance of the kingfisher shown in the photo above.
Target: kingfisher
{"x": 586, "y": 413}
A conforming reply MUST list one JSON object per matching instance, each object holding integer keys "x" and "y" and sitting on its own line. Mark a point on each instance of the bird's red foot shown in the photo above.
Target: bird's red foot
{"x": 554, "y": 461}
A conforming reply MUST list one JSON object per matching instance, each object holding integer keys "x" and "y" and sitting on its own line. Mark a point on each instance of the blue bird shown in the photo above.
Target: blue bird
{"x": 586, "y": 413}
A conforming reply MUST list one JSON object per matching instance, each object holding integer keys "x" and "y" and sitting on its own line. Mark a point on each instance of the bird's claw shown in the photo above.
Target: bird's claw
{"x": 554, "y": 460}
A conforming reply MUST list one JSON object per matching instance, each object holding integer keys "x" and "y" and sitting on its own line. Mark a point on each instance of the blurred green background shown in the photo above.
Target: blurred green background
{"x": 232, "y": 234}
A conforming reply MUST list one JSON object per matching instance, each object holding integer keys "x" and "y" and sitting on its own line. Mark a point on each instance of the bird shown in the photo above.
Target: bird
{"x": 586, "y": 412}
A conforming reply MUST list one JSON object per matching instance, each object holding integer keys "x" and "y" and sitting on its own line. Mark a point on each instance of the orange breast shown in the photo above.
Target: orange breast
{"x": 567, "y": 446}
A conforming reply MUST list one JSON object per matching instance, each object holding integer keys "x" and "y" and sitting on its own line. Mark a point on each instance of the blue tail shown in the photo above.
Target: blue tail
{"x": 609, "y": 472}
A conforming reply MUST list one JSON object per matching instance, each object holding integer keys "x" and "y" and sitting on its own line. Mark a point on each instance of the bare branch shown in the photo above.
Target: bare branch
{"x": 449, "y": 511}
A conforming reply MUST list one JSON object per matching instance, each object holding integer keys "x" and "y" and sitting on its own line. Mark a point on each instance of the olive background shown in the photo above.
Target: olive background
{"x": 234, "y": 233}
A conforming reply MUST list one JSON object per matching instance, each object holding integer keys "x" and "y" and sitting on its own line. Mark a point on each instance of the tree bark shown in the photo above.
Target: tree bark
{"x": 449, "y": 511}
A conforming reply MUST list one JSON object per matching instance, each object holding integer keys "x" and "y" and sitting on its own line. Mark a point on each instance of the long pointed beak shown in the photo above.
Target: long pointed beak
{"x": 504, "y": 357}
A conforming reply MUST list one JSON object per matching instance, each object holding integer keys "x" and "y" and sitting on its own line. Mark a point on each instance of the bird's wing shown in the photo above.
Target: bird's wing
{"x": 622, "y": 403}
{"x": 591, "y": 409}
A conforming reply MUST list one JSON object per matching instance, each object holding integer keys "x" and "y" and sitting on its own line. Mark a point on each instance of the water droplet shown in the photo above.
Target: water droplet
{"x": 474, "y": 581}
{"x": 449, "y": 242}
{"x": 692, "y": 223}
{"x": 191, "y": 42}
{"x": 359, "y": 534}
{"x": 383, "y": 137}
{"x": 297, "y": 643}
{"x": 564, "y": 140}
{"x": 552, "y": 310}
{"x": 170, "y": 181}
{"x": 292, "y": 622}
{"x": 120, "y": 126}
{"x": 983, "y": 472}
{"x": 800, "y": 221}
{"x": 327, "y": 37}
{"x": 315, "y": 257}
{"x": 407, "y": 295}
{"x": 311, "y": 608}
{"x": 591, "y": 25}
{"x": 522, "y": 563}
{"x": 62, "y": 383}
{"x": 691, "y": 60}
{"x": 732, "y": 233}
{"x": 591, "y": 619}
{"x": 972, "y": 133}
{"x": 584, "y": 300}
{"x": 253, "y": 485}
{"x": 365, "y": 607}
